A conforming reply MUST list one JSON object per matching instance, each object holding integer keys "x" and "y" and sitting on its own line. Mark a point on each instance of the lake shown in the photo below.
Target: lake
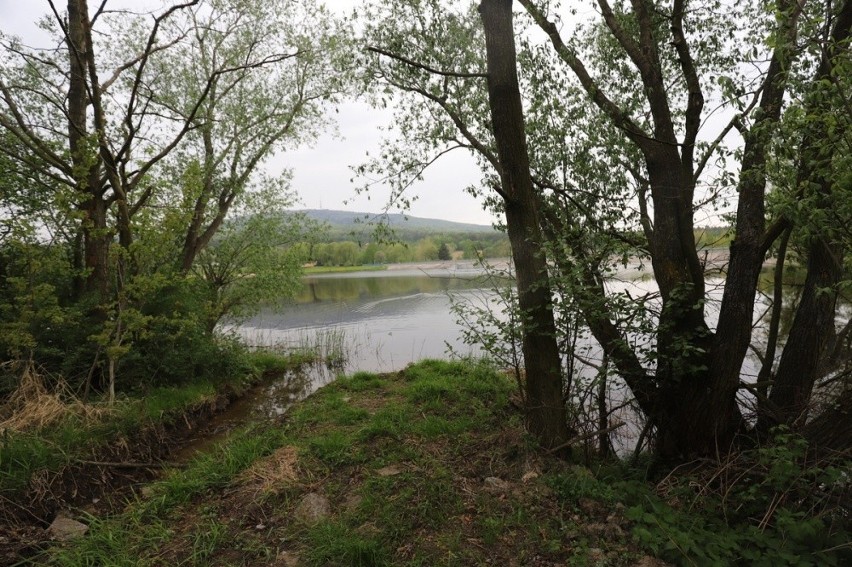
{"x": 382, "y": 320}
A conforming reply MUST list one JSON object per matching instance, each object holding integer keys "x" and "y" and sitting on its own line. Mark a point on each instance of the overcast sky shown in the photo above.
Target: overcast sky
{"x": 321, "y": 174}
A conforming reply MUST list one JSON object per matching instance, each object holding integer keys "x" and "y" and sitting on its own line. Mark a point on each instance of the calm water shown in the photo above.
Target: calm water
{"x": 384, "y": 320}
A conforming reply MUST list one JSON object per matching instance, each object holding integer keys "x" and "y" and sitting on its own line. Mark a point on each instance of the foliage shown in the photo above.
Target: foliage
{"x": 136, "y": 214}
{"x": 344, "y": 252}
{"x": 774, "y": 505}
{"x": 253, "y": 262}
{"x": 628, "y": 164}
{"x": 489, "y": 322}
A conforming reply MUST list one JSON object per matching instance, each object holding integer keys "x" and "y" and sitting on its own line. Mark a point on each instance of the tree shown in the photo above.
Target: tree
{"x": 258, "y": 79}
{"x": 444, "y": 44}
{"x": 252, "y": 263}
{"x": 108, "y": 150}
{"x": 134, "y": 141}
{"x": 545, "y": 405}
{"x": 823, "y": 182}
{"x": 444, "y": 252}
{"x": 288, "y": 66}
{"x": 692, "y": 397}
{"x": 621, "y": 167}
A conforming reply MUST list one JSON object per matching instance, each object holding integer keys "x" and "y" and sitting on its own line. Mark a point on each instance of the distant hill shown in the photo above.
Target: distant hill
{"x": 347, "y": 221}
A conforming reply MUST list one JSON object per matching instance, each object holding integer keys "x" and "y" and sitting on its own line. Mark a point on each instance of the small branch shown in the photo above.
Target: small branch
{"x": 427, "y": 68}
{"x": 585, "y": 437}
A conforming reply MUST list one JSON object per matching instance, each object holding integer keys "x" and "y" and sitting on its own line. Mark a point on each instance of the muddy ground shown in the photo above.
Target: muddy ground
{"x": 101, "y": 483}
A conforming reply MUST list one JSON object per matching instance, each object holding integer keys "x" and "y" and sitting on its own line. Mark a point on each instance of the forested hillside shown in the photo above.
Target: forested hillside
{"x": 352, "y": 239}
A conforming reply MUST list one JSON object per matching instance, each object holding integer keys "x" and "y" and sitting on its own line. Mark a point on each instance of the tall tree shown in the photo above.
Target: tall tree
{"x": 823, "y": 183}
{"x": 425, "y": 51}
{"x": 108, "y": 152}
{"x": 546, "y": 417}
{"x": 290, "y": 65}
{"x": 697, "y": 373}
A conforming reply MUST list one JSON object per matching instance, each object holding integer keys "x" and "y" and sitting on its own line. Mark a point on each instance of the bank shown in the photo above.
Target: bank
{"x": 60, "y": 456}
{"x": 430, "y": 466}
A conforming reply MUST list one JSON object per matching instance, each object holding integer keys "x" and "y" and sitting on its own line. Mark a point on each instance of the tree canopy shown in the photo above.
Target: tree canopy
{"x": 134, "y": 149}
{"x": 631, "y": 120}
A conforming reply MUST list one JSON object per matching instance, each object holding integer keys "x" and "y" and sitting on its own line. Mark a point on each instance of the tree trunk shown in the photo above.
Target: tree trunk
{"x": 690, "y": 415}
{"x": 85, "y": 161}
{"x": 813, "y": 325}
{"x": 747, "y": 251}
{"x": 831, "y": 431}
{"x": 545, "y": 405}
{"x": 811, "y": 332}
{"x": 96, "y": 242}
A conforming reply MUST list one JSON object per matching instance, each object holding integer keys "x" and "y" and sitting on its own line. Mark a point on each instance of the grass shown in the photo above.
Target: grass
{"x": 401, "y": 458}
{"x": 429, "y": 466}
{"x": 76, "y": 436}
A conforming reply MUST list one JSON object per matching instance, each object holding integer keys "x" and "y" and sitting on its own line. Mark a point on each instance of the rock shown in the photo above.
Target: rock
{"x": 64, "y": 529}
{"x": 287, "y": 559}
{"x": 494, "y": 484}
{"x": 312, "y": 508}
{"x": 352, "y": 502}
{"x": 529, "y": 476}
{"x": 390, "y": 470}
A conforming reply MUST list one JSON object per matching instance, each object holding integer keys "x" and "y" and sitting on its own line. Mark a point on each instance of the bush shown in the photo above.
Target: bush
{"x": 773, "y": 505}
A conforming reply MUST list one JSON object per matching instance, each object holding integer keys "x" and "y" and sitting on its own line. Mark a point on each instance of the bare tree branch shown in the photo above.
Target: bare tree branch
{"x": 427, "y": 68}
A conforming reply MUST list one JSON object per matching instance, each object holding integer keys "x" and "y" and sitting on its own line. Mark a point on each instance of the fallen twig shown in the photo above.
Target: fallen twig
{"x": 585, "y": 436}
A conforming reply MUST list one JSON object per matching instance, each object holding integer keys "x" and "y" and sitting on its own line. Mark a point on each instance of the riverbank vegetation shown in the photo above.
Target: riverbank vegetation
{"x": 347, "y": 253}
{"x": 130, "y": 230}
{"x": 137, "y": 215}
{"x": 59, "y": 451}
{"x": 431, "y": 466}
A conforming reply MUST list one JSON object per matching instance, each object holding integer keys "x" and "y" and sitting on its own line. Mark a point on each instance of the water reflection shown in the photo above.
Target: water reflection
{"x": 381, "y": 321}
{"x": 264, "y": 402}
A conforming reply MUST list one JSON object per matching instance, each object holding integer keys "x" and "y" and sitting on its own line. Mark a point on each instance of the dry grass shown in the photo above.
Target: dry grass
{"x": 41, "y": 401}
{"x": 274, "y": 472}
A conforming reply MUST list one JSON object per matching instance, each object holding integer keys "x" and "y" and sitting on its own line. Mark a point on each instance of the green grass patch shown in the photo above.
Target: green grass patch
{"x": 334, "y": 448}
{"x": 266, "y": 362}
{"x": 361, "y": 381}
{"x": 434, "y": 426}
{"x": 165, "y": 402}
{"x": 335, "y": 543}
{"x": 390, "y": 421}
{"x": 331, "y": 407}
{"x": 22, "y": 454}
